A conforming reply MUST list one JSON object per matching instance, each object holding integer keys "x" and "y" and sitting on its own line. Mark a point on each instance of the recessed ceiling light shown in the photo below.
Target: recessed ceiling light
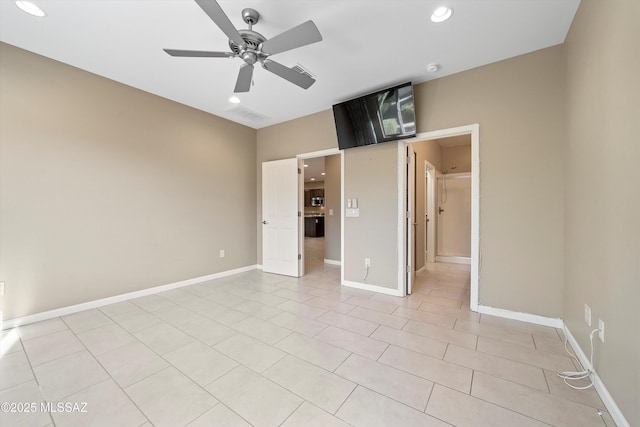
{"x": 441, "y": 14}
{"x": 234, "y": 100}
{"x": 312, "y": 179}
{"x": 306, "y": 165}
{"x": 432, "y": 68}
{"x": 323, "y": 174}
{"x": 30, "y": 8}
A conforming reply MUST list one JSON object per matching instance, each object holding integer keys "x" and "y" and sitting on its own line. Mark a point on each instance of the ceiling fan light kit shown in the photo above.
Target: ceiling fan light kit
{"x": 253, "y": 47}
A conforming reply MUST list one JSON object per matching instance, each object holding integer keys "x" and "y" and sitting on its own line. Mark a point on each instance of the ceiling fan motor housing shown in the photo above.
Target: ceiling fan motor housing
{"x": 251, "y": 53}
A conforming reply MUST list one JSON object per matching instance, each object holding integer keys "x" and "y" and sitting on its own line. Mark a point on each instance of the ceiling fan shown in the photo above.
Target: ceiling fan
{"x": 254, "y": 48}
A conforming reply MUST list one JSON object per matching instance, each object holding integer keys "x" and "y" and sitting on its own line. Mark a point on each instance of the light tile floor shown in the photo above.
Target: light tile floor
{"x": 267, "y": 350}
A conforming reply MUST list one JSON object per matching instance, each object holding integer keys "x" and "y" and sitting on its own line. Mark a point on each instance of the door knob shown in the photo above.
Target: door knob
{"x": 440, "y": 210}
{"x": 264, "y": 222}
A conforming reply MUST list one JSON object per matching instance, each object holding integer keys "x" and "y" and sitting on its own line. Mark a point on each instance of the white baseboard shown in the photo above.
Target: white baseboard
{"x": 453, "y": 259}
{"x": 523, "y": 317}
{"x": 332, "y": 262}
{"x": 606, "y": 397}
{"x": 38, "y": 317}
{"x": 373, "y": 288}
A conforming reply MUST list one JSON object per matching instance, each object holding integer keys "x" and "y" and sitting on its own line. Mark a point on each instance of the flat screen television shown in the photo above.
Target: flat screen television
{"x": 385, "y": 115}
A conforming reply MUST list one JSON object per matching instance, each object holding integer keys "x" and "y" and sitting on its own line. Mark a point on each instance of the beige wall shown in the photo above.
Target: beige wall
{"x": 333, "y": 201}
{"x": 371, "y": 176}
{"x": 454, "y": 223}
{"x": 602, "y": 208}
{"x": 520, "y": 106}
{"x": 106, "y": 189}
{"x": 458, "y": 156}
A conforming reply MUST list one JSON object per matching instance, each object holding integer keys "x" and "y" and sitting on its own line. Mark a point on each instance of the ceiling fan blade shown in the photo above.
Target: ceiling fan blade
{"x": 199, "y": 53}
{"x": 286, "y": 73}
{"x": 243, "y": 84}
{"x": 215, "y": 12}
{"x": 301, "y": 35}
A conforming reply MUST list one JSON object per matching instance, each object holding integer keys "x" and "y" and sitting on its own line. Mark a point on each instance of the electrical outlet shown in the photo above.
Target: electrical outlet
{"x": 587, "y": 314}
{"x": 601, "y": 331}
{"x": 221, "y": 253}
{"x": 367, "y": 262}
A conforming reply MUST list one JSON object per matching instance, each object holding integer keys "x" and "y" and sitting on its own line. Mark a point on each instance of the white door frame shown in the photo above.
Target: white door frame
{"x": 410, "y": 154}
{"x": 429, "y": 208}
{"x": 474, "y": 131}
{"x": 301, "y": 158}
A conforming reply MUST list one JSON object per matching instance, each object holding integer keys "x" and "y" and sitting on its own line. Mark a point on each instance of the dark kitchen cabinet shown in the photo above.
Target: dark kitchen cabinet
{"x": 310, "y": 194}
{"x": 313, "y": 226}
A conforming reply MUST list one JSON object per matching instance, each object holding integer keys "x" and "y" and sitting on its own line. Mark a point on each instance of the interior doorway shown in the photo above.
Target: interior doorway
{"x": 320, "y": 199}
{"x": 427, "y": 194}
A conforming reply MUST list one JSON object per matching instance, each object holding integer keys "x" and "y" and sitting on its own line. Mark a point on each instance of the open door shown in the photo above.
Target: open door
{"x": 280, "y": 252}
{"x": 411, "y": 218}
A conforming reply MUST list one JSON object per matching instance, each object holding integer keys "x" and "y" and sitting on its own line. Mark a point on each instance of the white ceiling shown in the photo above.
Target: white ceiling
{"x": 367, "y": 45}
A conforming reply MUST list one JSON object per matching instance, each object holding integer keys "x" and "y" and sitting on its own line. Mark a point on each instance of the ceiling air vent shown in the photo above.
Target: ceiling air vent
{"x": 246, "y": 113}
{"x": 299, "y": 68}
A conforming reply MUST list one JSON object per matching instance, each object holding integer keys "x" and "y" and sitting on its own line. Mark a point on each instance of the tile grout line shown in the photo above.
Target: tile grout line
{"x": 161, "y": 356}
{"x": 388, "y": 345}
{"x": 105, "y": 370}
{"x": 35, "y": 378}
{"x": 429, "y": 397}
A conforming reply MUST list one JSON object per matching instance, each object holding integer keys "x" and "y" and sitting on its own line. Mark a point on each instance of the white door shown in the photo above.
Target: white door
{"x": 280, "y": 217}
{"x": 411, "y": 219}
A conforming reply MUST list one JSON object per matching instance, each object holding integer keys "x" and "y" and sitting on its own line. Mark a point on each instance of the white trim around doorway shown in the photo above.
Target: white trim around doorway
{"x": 474, "y": 131}
{"x": 311, "y": 155}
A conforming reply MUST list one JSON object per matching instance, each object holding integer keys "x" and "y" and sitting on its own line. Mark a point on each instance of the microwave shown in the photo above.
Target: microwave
{"x": 317, "y": 201}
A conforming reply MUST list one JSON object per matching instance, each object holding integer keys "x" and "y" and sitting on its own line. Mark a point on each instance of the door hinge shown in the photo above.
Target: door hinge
{"x": 299, "y": 256}
{"x": 408, "y": 269}
{"x": 407, "y": 214}
{"x": 299, "y": 214}
{"x": 408, "y": 160}
{"x": 299, "y": 171}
